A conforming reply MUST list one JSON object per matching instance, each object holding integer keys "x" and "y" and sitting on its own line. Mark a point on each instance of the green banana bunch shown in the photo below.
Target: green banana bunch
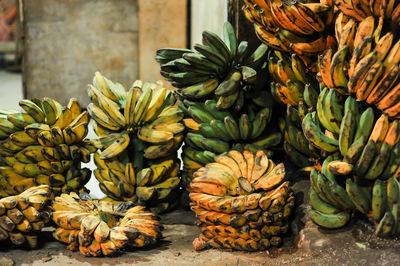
{"x": 213, "y": 132}
{"x": 222, "y": 69}
{"x": 139, "y": 132}
{"x": 44, "y": 145}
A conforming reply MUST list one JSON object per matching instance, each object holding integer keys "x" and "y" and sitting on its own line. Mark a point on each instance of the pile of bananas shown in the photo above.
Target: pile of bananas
{"x": 24, "y": 215}
{"x": 359, "y": 10}
{"x": 299, "y": 27}
{"x": 224, "y": 70}
{"x": 100, "y": 228}
{"x": 213, "y": 132}
{"x": 365, "y": 64}
{"x": 139, "y": 132}
{"x": 44, "y": 145}
{"x": 241, "y": 202}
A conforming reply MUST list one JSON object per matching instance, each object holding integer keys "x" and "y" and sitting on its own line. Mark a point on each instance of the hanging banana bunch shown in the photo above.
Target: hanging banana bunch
{"x": 96, "y": 227}
{"x": 24, "y": 215}
{"x": 44, "y": 144}
{"x": 359, "y": 10}
{"x": 366, "y": 63}
{"x": 139, "y": 132}
{"x": 224, "y": 70}
{"x": 298, "y": 27}
{"x": 241, "y": 202}
{"x": 213, "y": 132}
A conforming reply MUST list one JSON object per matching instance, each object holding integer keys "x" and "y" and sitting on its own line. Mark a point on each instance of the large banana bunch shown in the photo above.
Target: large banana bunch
{"x": 241, "y": 202}
{"x": 100, "y": 228}
{"x": 44, "y": 145}
{"x": 365, "y": 64}
{"x": 224, "y": 70}
{"x": 359, "y": 10}
{"x": 23, "y": 216}
{"x": 299, "y": 27}
{"x": 212, "y": 132}
{"x": 139, "y": 132}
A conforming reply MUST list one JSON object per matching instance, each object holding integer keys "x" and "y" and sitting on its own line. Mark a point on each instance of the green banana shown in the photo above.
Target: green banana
{"x": 330, "y": 221}
{"x": 320, "y": 205}
{"x": 365, "y": 124}
{"x": 393, "y": 192}
{"x": 357, "y": 197}
{"x": 365, "y": 160}
{"x": 379, "y": 200}
{"x": 379, "y": 163}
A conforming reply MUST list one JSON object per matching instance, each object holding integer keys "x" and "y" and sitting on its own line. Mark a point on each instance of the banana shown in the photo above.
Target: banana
{"x": 101, "y": 117}
{"x": 361, "y": 49}
{"x": 386, "y": 225}
{"x": 33, "y": 110}
{"x": 379, "y": 200}
{"x": 385, "y": 83}
{"x": 329, "y": 220}
{"x": 320, "y": 205}
{"x": 348, "y": 128}
{"x": 118, "y": 146}
{"x": 370, "y": 79}
{"x": 315, "y": 136}
{"x": 380, "y": 130}
{"x": 379, "y": 163}
{"x": 393, "y": 192}
{"x": 355, "y": 150}
{"x": 393, "y": 163}
{"x": 232, "y": 127}
{"x": 365, "y": 124}
{"x": 366, "y": 158}
{"x": 338, "y": 75}
{"x": 142, "y": 104}
{"x": 357, "y": 197}
{"x": 230, "y": 85}
{"x": 360, "y": 71}
{"x": 20, "y": 120}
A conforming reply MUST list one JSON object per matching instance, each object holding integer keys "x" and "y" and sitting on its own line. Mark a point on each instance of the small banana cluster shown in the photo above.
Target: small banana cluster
{"x": 23, "y": 216}
{"x": 139, "y": 132}
{"x": 44, "y": 145}
{"x": 155, "y": 186}
{"x": 297, "y": 147}
{"x": 224, "y": 70}
{"x": 241, "y": 202}
{"x": 366, "y": 63}
{"x": 298, "y": 27}
{"x": 212, "y": 132}
{"x": 332, "y": 202}
{"x": 359, "y": 10}
{"x": 100, "y": 228}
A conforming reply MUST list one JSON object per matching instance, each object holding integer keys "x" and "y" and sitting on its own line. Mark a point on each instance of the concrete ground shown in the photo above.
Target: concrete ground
{"x": 305, "y": 243}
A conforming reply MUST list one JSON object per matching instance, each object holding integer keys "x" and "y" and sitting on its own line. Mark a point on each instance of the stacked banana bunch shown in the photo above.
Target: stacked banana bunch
{"x": 299, "y": 27}
{"x": 224, "y": 70}
{"x": 365, "y": 64}
{"x": 241, "y": 202}
{"x": 213, "y": 132}
{"x": 44, "y": 145}
{"x": 297, "y": 89}
{"x": 23, "y": 216}
{"x": 139, "y": 132}
{"x": 359, "y": 10}
{"x": 100, "y": 228}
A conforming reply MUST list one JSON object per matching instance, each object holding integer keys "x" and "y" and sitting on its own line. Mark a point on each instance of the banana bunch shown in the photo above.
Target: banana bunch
{"x": 212, "y": 132}
{"x": 45, "y": 144}
{"x": 365, "y": 64}
{"x": 23, "y": 216}
{"x": 100, "y": 228}
{"x": 299, "y": 27}
{"x": 155, "y": 186}
{"x": 293, "y": 82}
{"x": 241, "y": 202}
{"x": 296, "y": 146}
{"x": 220, "y": 69}
{"x": 139, "y": 132}
{"x": 359, "y": 10}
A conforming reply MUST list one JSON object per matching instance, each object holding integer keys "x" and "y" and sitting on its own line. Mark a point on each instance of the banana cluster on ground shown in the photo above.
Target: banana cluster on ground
{"x": 23, "y": 216}
{"x": 359, "y": 10}
{"x": 96, "y": 227}
{"x": 241, "y": 202}
{"x": 366, "y": 62}
{"x": 335, "y": 194}
{"x": 45, "y": 144}
{"x": 224, "y": 70}
{"x": 139, "y": 132}
{"x": 212, "y": 132}
{"x": 299, "y": 27}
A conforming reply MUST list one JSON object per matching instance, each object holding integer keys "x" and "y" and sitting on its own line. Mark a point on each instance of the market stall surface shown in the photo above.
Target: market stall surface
{"x": 353, "y": 245}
